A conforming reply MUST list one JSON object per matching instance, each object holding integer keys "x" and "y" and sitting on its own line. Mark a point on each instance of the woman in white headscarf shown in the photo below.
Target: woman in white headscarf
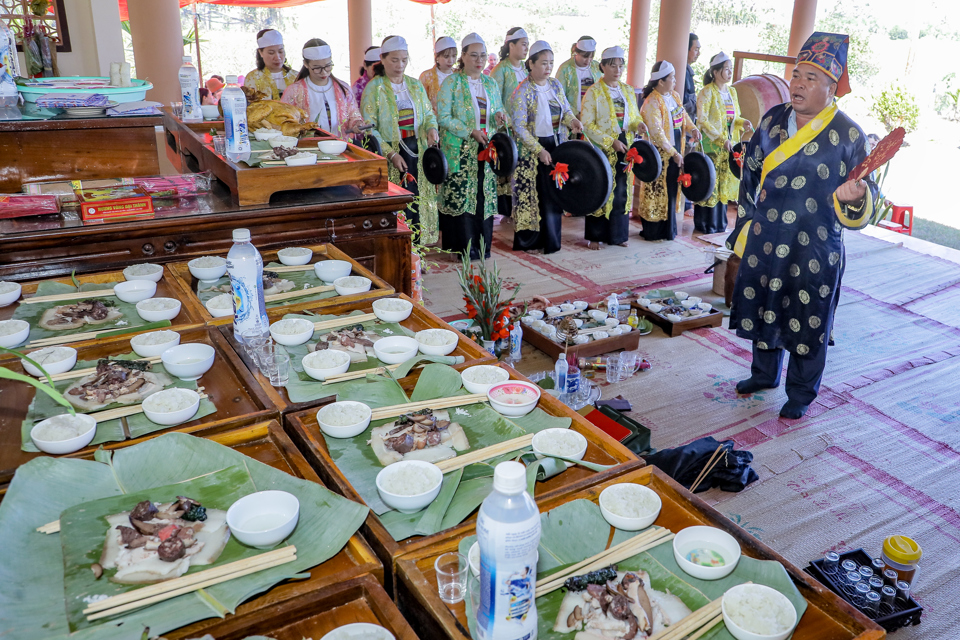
{"x": 273, "y": 74}
{"x": 541, "y": 119}
{"x": 579, "y": 72}
{"x": 611, "y": 121}
{"x": 404, "y": 124}
{"x": 329, "y": 101}
{"x": 444, "y": 57}
{"x": 662, "y": 111}
{"x": 470, "y": 112}
{"x": 509, "y": 73}
{"x": 370, "y": 58}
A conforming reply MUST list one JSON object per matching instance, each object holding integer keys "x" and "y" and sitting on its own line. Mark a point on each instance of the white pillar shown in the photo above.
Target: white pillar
{"x": 157, "y": 45}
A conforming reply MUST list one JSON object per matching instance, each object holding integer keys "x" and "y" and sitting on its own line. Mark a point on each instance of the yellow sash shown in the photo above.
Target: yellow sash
{"x": 782, "y": 153}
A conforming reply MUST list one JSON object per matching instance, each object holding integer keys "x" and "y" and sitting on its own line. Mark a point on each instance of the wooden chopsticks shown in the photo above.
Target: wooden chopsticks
{"x": 160, "y": 592}
{"x": 440, "y": 403}
{"x": 486, "y": 453}
{"x": 50, "y": 527}
{"x": 79, "y": 373}
{"x": 708, "y": 468}
{"x": 77, "y": 295}
{"x": 297, "y": 293}
{"x": 74, "y": 337}
{"x": 627, "y": 549}
{"x": 343, "y": 321}
{"x": 694, "y": 625}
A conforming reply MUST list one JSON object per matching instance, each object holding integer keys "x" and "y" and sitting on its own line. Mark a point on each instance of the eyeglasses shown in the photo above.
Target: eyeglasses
{"x": 324, "y": 69}
{"x": 477, "y": 56}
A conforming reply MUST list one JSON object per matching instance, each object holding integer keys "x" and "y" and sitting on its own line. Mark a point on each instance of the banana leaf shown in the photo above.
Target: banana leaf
{"x": 256, "y": 159}
{"x": 300, "y": 279}
{"x": 575, "y": 531}
{"x": 43, "y": 407}
{"x": 483, "y": 426}
{"x": 83, "y": 530}
{"x": 33, "y": 312}
{"x": 33, "y": 577}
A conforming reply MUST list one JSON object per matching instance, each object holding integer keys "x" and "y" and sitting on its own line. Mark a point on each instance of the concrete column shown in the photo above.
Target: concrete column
{"x": 674, "y": 35}
{"x": 801, "y": 27}
{"x": 637, "y": 48}
{"x": 360, "y": 32}
{"x": 157, "y": 46}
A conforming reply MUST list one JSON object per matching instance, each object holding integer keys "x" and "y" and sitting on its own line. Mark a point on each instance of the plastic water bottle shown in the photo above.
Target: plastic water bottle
{"x": 573, "y": 376}
{"x": 508, "y": 529}
{"x": 245, "y": 268}
{"x": 613, "y": 305}
{"x": 190, "y": 91}
{"x": 234, "y": 105}
{"x": 516, "y": 342}
{"x": 560, "y": 374}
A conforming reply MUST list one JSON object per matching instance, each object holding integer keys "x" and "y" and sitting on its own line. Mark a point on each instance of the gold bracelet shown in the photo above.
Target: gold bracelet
{"x": 857, "y": 209}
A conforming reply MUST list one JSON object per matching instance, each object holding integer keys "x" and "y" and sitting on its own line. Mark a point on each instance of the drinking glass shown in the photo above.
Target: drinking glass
{"x": 473, "y": 588}
{"x": 177, "y": 108}
{"x": 613, "y": 369}
{"x": 265, "y": 352}
{"x": 451, "y": 571}
{"x": 279, "y": 366}
{"x": 220, "y": 145}
{"x": 252, "y": 339}
{"x": 628, "y": 364}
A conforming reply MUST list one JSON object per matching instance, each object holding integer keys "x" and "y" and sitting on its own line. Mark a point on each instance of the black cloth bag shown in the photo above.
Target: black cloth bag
{"x": 683, "y": 464}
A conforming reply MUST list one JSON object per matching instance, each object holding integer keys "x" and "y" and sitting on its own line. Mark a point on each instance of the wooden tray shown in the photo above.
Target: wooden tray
{"x": 827, "y": 617}
{"x": 673, "y": 329}
{"x": 266, "y": 442}
{"x": 191, "y": 312}
{"x": 624, "y": 342}
{"x": 248, "y": 185}
{"x": 238, "y": 397}
{"x": 601, "y": 449}
{"x": 378, "y": 289}
{"x": 421, "y": 318}
{"x": 314, "y": 614}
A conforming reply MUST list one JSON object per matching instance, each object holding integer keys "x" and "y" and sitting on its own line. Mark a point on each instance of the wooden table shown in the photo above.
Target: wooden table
{"x": 420, "y": 318}
{"x": 362, "y": 226}
{"x": 601, "y": 449}
{"x": 237, "y": 396}
{"x": 827, "y": 617}
{"x": 77, "y": 149}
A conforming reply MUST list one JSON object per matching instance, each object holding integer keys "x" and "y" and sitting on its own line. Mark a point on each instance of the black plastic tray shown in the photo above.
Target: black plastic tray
{"x": 902, "y": 614}
{"x": 639, "y": 440}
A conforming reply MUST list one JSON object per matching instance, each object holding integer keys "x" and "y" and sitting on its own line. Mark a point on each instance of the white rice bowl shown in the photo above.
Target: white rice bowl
{"x": 156, "y": 309}
{"x": 629, "y": 506}
{"x": 409, "y": 485}
{"x": 8, "y": 287}
{"x": 148, "y": 345}
{"x": 408, "y": 481}
{"x": 344, "y": 419}
{"x": 9, "y": 293}
{"x": 322, "y": 364}
{"x": 436, "y": 342}
{"x": 171, "y": 406}
{"x": 759, "y": 610}
{"x": 349, "y": 285}
{"x": 54, "y": 360}
{"x": 560, "y": 442}
{"x": 208, "y": 262}
{"x": 221, "y": 305}
{"x": 145, "y": 271}
{"x": 392, "y": 309}
{"x": 64, "y": 433}
{"x": 292, "y": 331}
{"x": 13, "y": 332}
{"x": 295, "y": 256}
{"x": 480, "y": 378}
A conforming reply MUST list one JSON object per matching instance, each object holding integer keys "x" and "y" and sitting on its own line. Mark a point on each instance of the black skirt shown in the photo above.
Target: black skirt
{"x": 411, "y": 213}
{"x": 551, "y": 214}
{"x": 616, "y": 228}
{"x": 667, "y": 229}
{"x": 468, "y": 228}
{"x": 710, "y": 219}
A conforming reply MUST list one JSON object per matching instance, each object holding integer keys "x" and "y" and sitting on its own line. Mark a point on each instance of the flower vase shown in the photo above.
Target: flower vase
{"x": 490, "y": 345}
{"x": 416, "y": 278}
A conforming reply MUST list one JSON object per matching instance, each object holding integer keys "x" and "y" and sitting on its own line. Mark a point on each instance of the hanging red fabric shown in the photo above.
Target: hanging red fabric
{"x": 272, "y": 4}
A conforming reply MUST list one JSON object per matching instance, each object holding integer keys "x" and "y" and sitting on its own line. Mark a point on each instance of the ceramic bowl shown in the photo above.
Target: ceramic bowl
{"x": 19, "y": 330}
{"x": 681, "y": 295}
{"x": 136, "y": 272}
{"x": 343, "y": 431}
{"x": 600, "y": 335}
{"x": 644, "y": 302}
{"x": 580, "y": 305}
{"x": 528, "y": 320}
{"x": 463, "y": 325}
{"x": 264, "y": 519}
{"x": 135, "y": 290}
{"x": 151, "y": 350}
{"x": 210, "y": 112}
{"x": 266, "y": 134}
{"x": 541, "y": 439}
{"x": 208, "y": 274}
{"x": 711, "y": 539}
{"x": 170, "y": 311}
{"x": 536, "y": 313}
{"x": 482, "y": 387}
{"x": 567, "y": 307}
{"x": 625, "y": 328}
{"x": 350, "y": 285}
{"x": 409, "y": 503}
{"x": 387, "y": 315}
{"x": 514, "y": 398}
{"x": 552, "y": 311}
{"x": 611, "y": 322}
{"x": 188, "y": 361}
{"x": 331, "y": 270}
{"x": 688, "y": 303}
{"x": 60, "y": 447}
{"x": 332, "y": 147}
{"x": 220, "y": 312}
{"x": 67, "y": 359}
{"x": 445, "y": 349}
{"x": 292, "y": 331}
{"x": 582, "y": 339}
{"x": 756, "y": 590}
{"x": 155, "y": 413}
{"x": 295, "y": 256}
{"x": 672, "y": 317}
{"x": 549, "y": 330}
{"x": 578, "y": 322}
{"x": 615, "y": 331}
{"x": 359, "y": 631}
{"x": 597, "y": 315}
{"x": 633, "y": 492}
{"x": 655, "y": 307}
{"x": 312, "y": 369}
{"x": 302, "y": 159}
{"x": 473, "y": 557}
{"x": 538, "y": 324}
{"x": 395, "y": 349}
{"x": 695, "y": 300}
{"x": 11, "y": 296}
{"x": 289, "y": 142}
{"x": 706, "y": 307}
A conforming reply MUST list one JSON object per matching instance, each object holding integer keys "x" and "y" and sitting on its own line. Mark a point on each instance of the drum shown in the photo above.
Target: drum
{"x": 758, "y": 94}
{"x": 589, "y": 179}
{"x": 703, "y": 176}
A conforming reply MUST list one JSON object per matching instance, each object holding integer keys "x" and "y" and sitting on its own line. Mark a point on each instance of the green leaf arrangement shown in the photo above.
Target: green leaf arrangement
{"x": 46, "y": 387}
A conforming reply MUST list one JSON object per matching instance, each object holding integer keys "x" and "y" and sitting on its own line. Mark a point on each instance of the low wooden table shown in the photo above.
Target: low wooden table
{"x": 65, "y": 148}
{"x": 827, "y": 617}
{"x": 713, "y": 318}
{"x": 601, "y": 449}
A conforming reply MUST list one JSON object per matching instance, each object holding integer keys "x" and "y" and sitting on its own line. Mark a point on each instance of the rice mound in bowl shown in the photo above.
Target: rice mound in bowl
{"x": 436, "y": 337}
{"x": 759, "y": 609}
{"x": 10, "y": 327}
{"x": 629, "y": 501}
{"x": 63, "y": 427}
{"x": 342, "y": 414}
{"x": 222, "y": 301}
{"x": 51, "y": 355}
{"x": 294, "y": 251}
{"x": 154, "y": 338}
{"x": 142, "y": 269}
{"x": 170, "y": 400}
{"x": 157, "y": 304}
{"x": 408, "y": 481}
{"x": 291, "y": 326}
{"x": 486, "y": 374}
{"x": 206, "y": 262}
{"x": 7, "y": 287}
{"x": 391, "y": 304}
{"x": 326, "y": 359}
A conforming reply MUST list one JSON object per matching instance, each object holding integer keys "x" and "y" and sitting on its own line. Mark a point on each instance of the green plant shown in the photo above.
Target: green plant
{"x": 896, "y": 107}
{"x": 46, "y": 387}
{"x": 897, "y": 32}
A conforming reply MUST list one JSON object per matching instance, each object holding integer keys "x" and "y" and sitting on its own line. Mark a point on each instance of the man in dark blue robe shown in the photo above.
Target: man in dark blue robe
{"x": 795, "y": 201}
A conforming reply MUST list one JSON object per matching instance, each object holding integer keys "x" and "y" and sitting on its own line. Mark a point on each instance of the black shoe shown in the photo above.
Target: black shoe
{"x": 793, "y": 410}
{"x": 751, "y": 385}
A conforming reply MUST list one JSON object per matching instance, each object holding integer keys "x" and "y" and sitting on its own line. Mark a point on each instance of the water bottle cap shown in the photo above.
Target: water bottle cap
{"x": 188, "y": 58}
{"x": 232, "y": 79}
{"x": 510, "y": 478}
{"x": 243, "y": 235}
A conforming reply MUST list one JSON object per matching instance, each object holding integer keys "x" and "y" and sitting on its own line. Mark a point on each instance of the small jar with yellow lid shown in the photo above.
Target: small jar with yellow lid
{"x": 902, "y": 554}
